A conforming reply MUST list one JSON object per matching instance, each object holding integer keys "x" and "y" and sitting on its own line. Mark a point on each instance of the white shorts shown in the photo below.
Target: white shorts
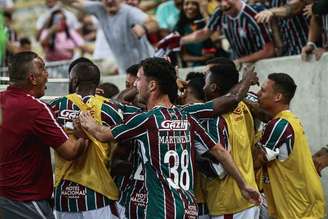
{"x": 249, "y": 213}
{"x": 104, "y": 212}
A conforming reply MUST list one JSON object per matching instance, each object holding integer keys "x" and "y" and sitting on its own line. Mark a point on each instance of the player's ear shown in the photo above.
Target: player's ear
{"x": 278, "y": 97}
{"x": 152, "y": 85}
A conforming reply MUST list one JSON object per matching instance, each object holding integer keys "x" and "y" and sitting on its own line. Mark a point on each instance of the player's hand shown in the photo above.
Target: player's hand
{"x": 251, "y": 75}
{"x": 264, "y": 16}
{"x": 78, "y": 131}
{"x": 87, "y": 121}
{"x": 251, "y": 195}
{"x": 138, "y": 30}
{"x": 307, "y": 11}
{"x": 182, "y": 85}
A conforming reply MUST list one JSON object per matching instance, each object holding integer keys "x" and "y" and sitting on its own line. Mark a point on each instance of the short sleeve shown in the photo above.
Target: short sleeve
{"x": 133, "y": 127}
{"x": 160, "y": 18}
{"x": 136, "y": 16}
{"x": 215, "y": 20}
{"x": 110, "y": 114}
{"x": 95, "y": 8}
{"x": 217, "y": 129}
{"x": 276, "y": 133}
{"x": 47, "y": 128}
{"x": 205, "y": 140}
{"x": 200, "y": 110}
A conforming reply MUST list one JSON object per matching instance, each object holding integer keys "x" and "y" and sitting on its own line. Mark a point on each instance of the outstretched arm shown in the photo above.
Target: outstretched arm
{"x": 77, "y": 4}
{"x": 196, "y": 37}
{"x": 228, "y": 102}
{"x": 225, "y": 159}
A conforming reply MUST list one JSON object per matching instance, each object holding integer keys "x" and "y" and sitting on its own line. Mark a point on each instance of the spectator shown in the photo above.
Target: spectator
{"x": 7, "y": 6}
{"x": 318, "y": 38}
{"x": 189, "y": 21}
{"x": 51, "y": 6}
{"x": 293, "y": 26}
{"x": 25, "y": 44}
{"x": 3, "y": 40}
{"x": 88, "y": 29}
{"x": 27, "y": 132}
{"x": 107, "y": 90}
{"x": 103, "y": 53}
{"x": 152, "y": 37}
{"x": 59, "y": 40}
{"x": 250, "y": 41}
{"x": 319, "y": 7}
{"x": 167, "y": 16}
{"x": 12, "y": 36}
{"x": 124, "y": 27}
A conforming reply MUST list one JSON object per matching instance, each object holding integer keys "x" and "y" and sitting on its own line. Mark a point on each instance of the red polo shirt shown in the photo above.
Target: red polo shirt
{"x": 27, "y": 131}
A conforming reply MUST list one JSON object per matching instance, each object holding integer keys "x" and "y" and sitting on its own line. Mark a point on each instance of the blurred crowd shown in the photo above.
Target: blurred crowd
{"x": 121, "y": 33}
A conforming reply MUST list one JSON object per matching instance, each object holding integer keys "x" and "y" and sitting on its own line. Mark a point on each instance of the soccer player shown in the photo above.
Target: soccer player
{"x": 296, "y": 190}
{"x": 249, "y": 40}
{"x": 166, "y": 136}
{"x": 79, "y": 190}
{"x": 293, "y": 25}
{"x": 223, "y": 195}
{"x": 194, "y": 93}
{"x": 27, "y": 131}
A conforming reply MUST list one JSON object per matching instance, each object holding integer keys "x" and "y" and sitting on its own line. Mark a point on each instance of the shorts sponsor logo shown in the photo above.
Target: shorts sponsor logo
{"x": 174, "y": 125}
{"x": 139, "y": 199}
{"x": 73, "y": 192}
{"x": 68, "y": 114}
{"x": 191, "y": 211}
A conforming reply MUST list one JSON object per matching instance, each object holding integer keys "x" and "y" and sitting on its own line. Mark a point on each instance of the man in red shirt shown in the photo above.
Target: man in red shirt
{"x": 28, "y": 129}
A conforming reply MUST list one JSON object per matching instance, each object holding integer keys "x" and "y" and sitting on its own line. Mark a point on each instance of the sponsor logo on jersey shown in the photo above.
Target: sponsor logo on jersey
{"x": 73, "y": 192}
{"x": 139, "y": 199}
{"x": 68, "y": 114}
{"x": 174, "y": 125}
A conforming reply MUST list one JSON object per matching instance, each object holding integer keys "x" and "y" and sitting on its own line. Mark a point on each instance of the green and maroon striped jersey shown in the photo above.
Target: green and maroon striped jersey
{"x": 70, "y": 196}
{"x": 166, "y": 145}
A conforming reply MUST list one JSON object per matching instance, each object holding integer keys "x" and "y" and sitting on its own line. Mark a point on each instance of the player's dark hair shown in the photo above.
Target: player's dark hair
{"x": 284, "y": 84}
{"x": 133, "y": 70}
{"x": 225, "y": 76}
{"x": 109, "y": 89}
{"x": 77, "y": 61}
{"x": 164, "y": 73}
{"x": 220, "y": 61}
{"x": 196, "y": 81}
{"x": 87, "y": 73}
{"x": 20, "y": 65}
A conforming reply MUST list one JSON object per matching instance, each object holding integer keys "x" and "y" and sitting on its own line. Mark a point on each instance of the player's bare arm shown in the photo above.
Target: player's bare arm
{"x": 225, "y": 159}
{"x": 228, "y": 102}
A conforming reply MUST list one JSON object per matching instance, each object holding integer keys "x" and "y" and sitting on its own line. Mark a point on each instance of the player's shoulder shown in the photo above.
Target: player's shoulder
{"x": 256, "y": 7}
